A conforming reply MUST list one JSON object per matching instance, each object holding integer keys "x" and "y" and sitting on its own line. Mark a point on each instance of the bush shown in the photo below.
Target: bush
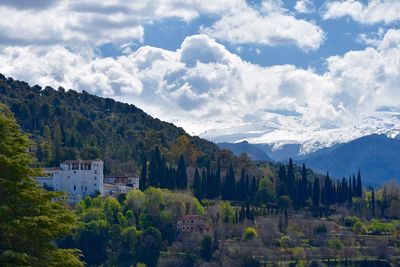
{"x": 359, "y": 228}
{"x": 249, "y": 233}
{"x": 380, "y": 228}
{"x": 350, "y": 221}
{"x": 320, "y": 229}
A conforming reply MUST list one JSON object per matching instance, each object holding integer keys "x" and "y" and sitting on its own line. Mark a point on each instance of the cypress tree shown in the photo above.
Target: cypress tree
{"x": 181, "y": 172}
{"x": 154, "y": 168}
{"x": 373, "y": 202}
{"x": 303, "y": 187}
{"x": 143, "y": 176}
{"x": 218, "y": 179}
{"x": 291, "y": 180}
{"x": 359, "y": 184}
{"x": 316, "y": 193}
{"x": 197, "y": 185}
{"x": 203, "y": 183}
{"x": 354, "y": 186}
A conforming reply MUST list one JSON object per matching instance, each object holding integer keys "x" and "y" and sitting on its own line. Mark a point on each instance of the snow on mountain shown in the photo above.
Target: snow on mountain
{"x": 284, "y": 130}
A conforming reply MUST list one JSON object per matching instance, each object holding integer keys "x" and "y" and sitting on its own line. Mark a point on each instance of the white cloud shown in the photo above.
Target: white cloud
{"x": 91, "y": 22}
{"x": 375, "y": 11}
{"x": 305, "y": 6}
{"x": 270, "y": 25}
{"x": 204, "y": 84}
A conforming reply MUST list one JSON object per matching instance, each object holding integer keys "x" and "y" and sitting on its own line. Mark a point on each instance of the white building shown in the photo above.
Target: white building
{"x": 75, "y": 177}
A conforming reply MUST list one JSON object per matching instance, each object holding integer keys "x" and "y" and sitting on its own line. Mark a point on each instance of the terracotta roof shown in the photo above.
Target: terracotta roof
{"x": 81, "y": 161}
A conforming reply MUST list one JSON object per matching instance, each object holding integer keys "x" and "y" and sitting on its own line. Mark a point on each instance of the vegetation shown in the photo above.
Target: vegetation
{"x": 30, "y": 217}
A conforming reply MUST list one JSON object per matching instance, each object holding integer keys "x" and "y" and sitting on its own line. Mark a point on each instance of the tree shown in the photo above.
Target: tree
{"x": 249, "y": 233}
{"x": 181, "y": 174}
{"x": 197, "y": 185}
{"x": 58, "y": 145}
{"x": 316, "y": 193}
{"x": 143, "y": 176}
{"x": 206, "y": 248}
{"x": 46, "y": 147}
{"x": 359, "y": 185}
{"x": 30, "y": 218}
{"x": 149, "y": 246}
{"x": 373, "y": 202}
{"x": 304, "y": 183}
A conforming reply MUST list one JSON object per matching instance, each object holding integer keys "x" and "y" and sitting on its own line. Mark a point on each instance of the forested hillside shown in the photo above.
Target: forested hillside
{"x": 67, "y": 124}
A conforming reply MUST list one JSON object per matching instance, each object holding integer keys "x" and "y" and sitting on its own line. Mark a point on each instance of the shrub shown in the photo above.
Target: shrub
{"x": 359, "y": 228}
{"x": 349, "y": 221}
{"x": 320, "y": 229}
{"x": 249, "y": 233}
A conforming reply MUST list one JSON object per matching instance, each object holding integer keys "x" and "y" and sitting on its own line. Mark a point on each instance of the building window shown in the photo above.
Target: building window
{"x": 95, "y": 178}
{"x": 95, "y": 171}
{"x": 74, "y": 187}
{"x": 95, "y": 184}
{"x": 85, "y": 188}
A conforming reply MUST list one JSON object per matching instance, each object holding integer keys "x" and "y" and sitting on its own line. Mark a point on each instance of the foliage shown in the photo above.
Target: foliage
{"x": 249, "y": 233}
{"x": 31, "y": 218}
{"x": 68, "y": 124}
{"x": 320, "y": 229}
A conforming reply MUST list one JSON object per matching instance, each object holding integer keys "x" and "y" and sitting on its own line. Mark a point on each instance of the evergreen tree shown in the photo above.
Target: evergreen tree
{"x": 58, "y": 145}
{"x": 230, "y": 184}
{"x": 204, "y": 183}
{"x": 372, "y": 202}
{"x": 143, "y": 176}
{"x": 316, "y": 193}
{"x": 154, "y": 168}
{"x": 359, "y": 184}
{"x": 303, "y": 187}
{"x": 291, "y": 180}
{"x": 218, "y": 179}
{"x": 46, "y": 147}
{"x": 197, "y": 185}
{"x": 182, "y": 174}
{"x": 30, "y": 218}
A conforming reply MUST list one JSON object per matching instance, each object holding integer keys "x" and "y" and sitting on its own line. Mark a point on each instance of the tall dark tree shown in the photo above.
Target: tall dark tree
{"x": 155, "y": 168}
{"x": 359, "y": 184}
{"x": 373, "y": 202}
{"x": 218, "y": 179}
{"x": 143, "y": 176}
{"x": 316, "y": 193}
{"x": 303, "y": 186}
{"x": 291, "y": 180}
{"x": 229, "y": 184}
{"x": 197, "y": 185}
{"x": 204, "y": 183}
{"x": 182, "y": 174}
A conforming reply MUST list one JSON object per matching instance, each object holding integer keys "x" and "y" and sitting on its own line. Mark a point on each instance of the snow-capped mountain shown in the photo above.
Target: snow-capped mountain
{"x": 281, "y": 132}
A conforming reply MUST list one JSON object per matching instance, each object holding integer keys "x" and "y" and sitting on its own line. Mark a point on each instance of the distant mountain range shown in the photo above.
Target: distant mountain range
{"x": 377, "y": 156}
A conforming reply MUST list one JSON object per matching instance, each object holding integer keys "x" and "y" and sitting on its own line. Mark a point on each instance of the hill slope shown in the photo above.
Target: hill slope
{"x": 87, "y": 126}
{"x": 377, "y": 156}
{"x": 252, "y": 151}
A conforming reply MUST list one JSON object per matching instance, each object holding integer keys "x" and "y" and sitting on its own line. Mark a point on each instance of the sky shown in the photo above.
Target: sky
{"x": 201, "y": 64}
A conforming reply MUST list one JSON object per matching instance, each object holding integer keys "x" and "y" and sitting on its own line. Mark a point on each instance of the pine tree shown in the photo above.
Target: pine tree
{"x": 143, "y": 176}
{"x": 30, "y": 218}
{"x": 197, "y": 185}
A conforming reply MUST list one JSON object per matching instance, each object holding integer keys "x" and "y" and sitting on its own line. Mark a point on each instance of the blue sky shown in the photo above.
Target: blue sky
{"x": 202, "y": 64}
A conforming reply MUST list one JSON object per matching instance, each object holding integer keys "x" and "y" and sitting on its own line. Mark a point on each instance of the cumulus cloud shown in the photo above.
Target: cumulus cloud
{"x": 270, "y": 24}
{"x": 90, "y": 22}
{"x": 203, "y": 83}
{"x": 304, "y": 6}
{"x": 375, "y": 11}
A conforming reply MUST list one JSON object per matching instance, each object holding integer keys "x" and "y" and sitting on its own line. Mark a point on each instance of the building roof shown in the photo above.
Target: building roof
{"x": 120, "y": 175}
{"x": 81, "y": 161}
